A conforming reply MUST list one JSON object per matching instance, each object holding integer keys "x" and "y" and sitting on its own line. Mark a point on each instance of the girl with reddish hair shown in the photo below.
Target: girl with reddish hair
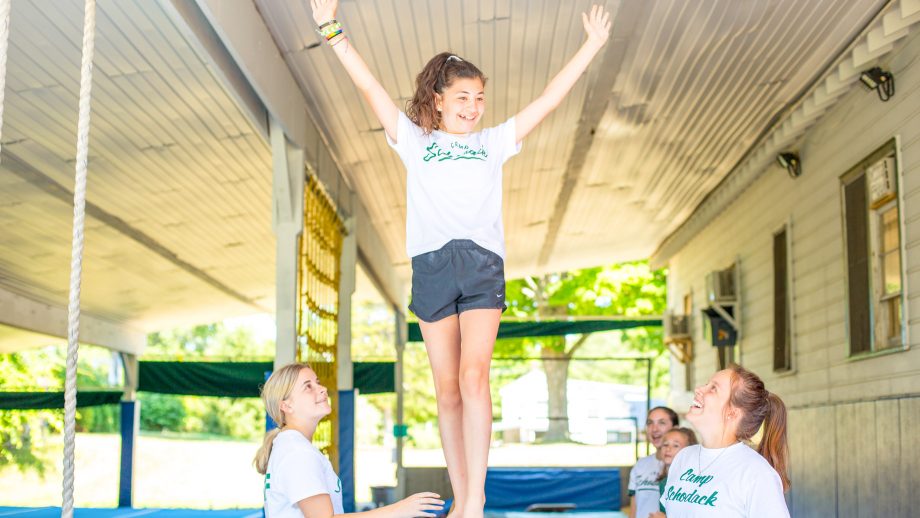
{"x": 723, "y": 476}
{"x": 454, "y": 230}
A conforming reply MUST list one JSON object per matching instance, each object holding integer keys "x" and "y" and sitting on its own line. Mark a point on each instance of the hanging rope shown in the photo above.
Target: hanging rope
{"x": 4, "y": 45}
{"x": 76, "y": 261}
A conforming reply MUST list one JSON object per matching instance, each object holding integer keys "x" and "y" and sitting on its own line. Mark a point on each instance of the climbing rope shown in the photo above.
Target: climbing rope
{"x": 4, "y": 44}
{"x": 76, "y": 261}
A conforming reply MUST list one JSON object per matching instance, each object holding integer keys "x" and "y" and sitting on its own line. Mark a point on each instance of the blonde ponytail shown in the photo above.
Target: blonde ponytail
{"x": 265, "y": 451}
{"x": 277, "y": 388}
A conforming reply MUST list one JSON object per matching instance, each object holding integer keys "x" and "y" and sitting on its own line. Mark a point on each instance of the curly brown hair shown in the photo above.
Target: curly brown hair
{"x": 439, "y": 73}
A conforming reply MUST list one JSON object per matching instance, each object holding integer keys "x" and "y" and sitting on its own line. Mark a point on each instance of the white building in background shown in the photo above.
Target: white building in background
{"x": 598, "y": 413}
{"x": 825, "y": 289}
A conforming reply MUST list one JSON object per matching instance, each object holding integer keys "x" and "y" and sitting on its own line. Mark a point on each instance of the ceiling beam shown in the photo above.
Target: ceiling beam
{"x": 22, "y": 168}
{"x": 628, "y": 20}
{"x": 198, "y": 32}
{"x": 244, "y": 35}
{"x": 34, "y": 323}
{"x": 240, "y": 46}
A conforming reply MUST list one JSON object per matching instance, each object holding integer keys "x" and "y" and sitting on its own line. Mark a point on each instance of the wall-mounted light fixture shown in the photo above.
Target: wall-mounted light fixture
{"x": 880, "y": 81}
{"x": 791, "y": 163}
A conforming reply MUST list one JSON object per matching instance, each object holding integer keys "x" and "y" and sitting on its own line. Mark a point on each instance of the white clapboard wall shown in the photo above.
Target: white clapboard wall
{"x": 853, "y": 423}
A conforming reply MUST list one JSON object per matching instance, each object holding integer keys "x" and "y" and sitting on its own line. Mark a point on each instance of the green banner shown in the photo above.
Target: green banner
{"x": 227, "y": 379}
{"x": 554, "y": 328}
{"x": 55, "y": 400}
{"x": 375, "y": 377}
{"x": 220, "y": 379}
{"x": 243, "y": 379}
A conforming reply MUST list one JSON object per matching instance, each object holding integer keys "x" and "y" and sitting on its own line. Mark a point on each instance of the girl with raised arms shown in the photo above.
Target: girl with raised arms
{"x": 454, "y": 231}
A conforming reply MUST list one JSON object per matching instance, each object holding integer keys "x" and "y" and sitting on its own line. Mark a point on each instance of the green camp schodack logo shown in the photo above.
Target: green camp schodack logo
{"x": 676, "y": 494}
{"x": 456, "y": 151}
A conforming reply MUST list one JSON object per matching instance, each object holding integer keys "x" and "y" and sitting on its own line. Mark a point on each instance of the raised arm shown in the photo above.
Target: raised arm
{"x": 597, "y": 26}
{"x": 381, "y": 103}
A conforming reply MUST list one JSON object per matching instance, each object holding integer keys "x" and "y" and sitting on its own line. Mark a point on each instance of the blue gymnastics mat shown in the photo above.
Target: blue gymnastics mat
{"x": 127, "y": 512}
{"x": 568, "y": 514}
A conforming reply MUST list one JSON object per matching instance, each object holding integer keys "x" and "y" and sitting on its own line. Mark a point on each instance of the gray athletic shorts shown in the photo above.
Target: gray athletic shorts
{"x": 459, "y": 276}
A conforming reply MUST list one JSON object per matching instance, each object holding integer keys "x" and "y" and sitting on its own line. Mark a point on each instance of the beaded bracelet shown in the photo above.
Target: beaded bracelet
{"x": 330, "y": 30}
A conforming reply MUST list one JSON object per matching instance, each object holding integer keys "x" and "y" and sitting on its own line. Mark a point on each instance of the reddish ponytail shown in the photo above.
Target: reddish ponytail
{"x": 760, "y": 407}
{"x": 773, "y": 445}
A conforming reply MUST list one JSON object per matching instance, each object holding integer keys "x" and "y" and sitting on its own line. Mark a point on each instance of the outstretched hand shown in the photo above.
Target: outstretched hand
{"x": 419, "y": 504}
{"x": 323, "y": 10}
{"x": 597, "y": 24}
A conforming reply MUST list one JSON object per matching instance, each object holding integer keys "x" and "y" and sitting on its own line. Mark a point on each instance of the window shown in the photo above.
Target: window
{"x": 726, "y": 356}
{"x": 875, "y": 319}
{"x": 887, "y": 289}
{"x": 782, "y": 328}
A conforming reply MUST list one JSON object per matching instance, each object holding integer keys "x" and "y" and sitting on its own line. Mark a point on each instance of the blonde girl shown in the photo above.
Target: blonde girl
{"x": 299, "y": 480}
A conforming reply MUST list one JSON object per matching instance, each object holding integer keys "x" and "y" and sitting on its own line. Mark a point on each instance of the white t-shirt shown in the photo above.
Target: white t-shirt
{"x": 454, "y": 185}
{"x": 734, "y": 482}
{"x": 643, "y": 485}
{"x": 297, "y": 470}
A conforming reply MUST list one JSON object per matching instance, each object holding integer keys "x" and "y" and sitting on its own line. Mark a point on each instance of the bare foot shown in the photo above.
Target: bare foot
{"x": 456, "y": 511}
{"x": 473, "y": 507}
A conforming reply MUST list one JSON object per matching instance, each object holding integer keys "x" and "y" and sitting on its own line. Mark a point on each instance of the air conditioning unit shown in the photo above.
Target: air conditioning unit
{"x": 720, "y": 286}
{"x": 676, "y": 327}
{"x": 883, "y": 182}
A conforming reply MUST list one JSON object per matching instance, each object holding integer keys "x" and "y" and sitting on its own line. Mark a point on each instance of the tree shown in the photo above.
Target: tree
{"x": 22, "y": 443}
{"x": 373, "y": 330}
{"x": 627, "y": 289}
{"x": 234, "y": 417}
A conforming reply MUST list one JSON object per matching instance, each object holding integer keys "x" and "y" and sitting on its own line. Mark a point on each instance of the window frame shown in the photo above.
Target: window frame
{"x": 789, "y": 301}
{"x": 858, "y": 173}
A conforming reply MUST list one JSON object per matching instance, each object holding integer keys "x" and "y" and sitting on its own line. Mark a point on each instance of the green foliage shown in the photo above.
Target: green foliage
{"x": 620, "y": 290}
{"x": 628, "y": 289}
{"x": 241, "y": 418}
{"x": 161, "y": 412}
{"x": 23, "y": 432}
{"x": 208, "y": 342}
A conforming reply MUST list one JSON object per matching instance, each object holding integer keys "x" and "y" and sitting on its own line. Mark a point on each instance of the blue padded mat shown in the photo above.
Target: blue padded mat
{"x": 127, "y": 512}
{"x": 570, "y": 514}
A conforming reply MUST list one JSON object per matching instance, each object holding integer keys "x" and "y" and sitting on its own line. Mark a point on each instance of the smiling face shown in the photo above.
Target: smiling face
{"x": 461, "y": 105}
{"x": 671, "y": 443}
{"x": 308, "y": 401}
{"x": 710, "y": 402}
{"x": 657, "y": 424}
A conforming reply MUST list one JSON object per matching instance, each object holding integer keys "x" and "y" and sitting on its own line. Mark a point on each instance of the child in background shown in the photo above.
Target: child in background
{"x": 673, "y": 441}
{"x": 643, "y": 478}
